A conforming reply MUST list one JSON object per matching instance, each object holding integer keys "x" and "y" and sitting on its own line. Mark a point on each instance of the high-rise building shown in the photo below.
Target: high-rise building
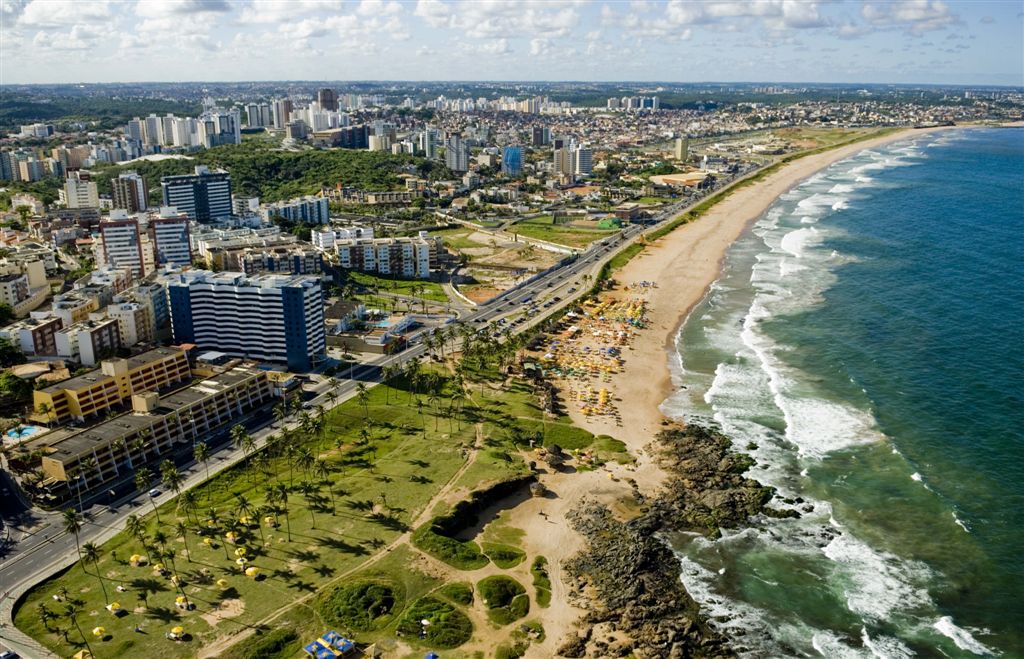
{"x": 170, "y": 240}
{"x": 541, "y": 135}
{"x": 152, "y": 130}
{"x": 80, "y": 192}
{"x": 269, "y": 318}
{"x": 406, "y": 256}
{"x": 31, "y": 170}
{"x": 456, "y": 155}
{"x": 583, "y": 161}
{"x": 122, "y": 245}
{"x": 682, "y": 150}
{"x": 259, "y": 115}
{"x": 427, "y": 143}
{"x": 328, "y": 99}
{"x": 512, "y": 160}
{"x": 563, "y": 162}
{"x": 219, "y": 126}
{"x": 129, "y": 192}
{"x": 282, "y": 112}
{"x": 204, "y": 196}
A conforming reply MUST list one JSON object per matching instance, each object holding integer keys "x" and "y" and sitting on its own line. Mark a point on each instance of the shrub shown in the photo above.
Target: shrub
{"x": 271, "y": 644}
{"x": 541, "y": 581}
{"x": 363, "y": 606}
{"x": 504, "y": 556}
{"x": 460, "y": 593}
{"x": 505, "y": 599}
{"x": 448, "y": 628}
{"x": 464, "y": 555}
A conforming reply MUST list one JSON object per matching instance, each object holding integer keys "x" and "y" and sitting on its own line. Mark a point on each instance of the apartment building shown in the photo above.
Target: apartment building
{"x": 410, "y": 257}
{"x": 283, "y": 261}
{"x": 157, "y": 425}
{"x": 93, "y": 394}
{"x": 88, "y": 341}
{"x": 35, "y": 336}
{"x": 309, "y": 210}
{"x": 324, "y": 240}
{"x": 270, "y": 318}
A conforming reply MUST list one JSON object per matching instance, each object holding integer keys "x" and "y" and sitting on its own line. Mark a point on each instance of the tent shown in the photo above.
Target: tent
{"x": 318, "y": 650}
{"x": 335, "y": 640}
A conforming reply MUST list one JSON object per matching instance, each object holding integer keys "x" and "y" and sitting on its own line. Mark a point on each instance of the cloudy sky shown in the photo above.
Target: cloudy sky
{"x": 928, "y": 41}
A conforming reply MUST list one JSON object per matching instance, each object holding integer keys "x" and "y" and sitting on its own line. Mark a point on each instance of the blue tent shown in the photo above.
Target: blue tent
{"x": 432, "y": 655}
{"x": 338, "y": 642}
{"x": 319, "y": 651}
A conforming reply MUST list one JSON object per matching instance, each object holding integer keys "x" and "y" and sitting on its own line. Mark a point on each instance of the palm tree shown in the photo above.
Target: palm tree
{"x": 143, "y": 477}
{"x": 189, "y": 503}
{"x": 280, "y": 412}
{"x": 73, "y": 525}
{"x": 46, "y": 411}
{"x": 92, "y": 553}
{"x": 364, "y": 399}
{"x": 280, "y": 494}
{"x": 182, "y": 530}
{"x": 71, "y": 611}
{"x": 309, "y": 491}
{"x": 386, "y": 373}
{"x": 237, "y": 435}
{"x": 201, "y": 454}
{"x": 45, "y": 614}
{"x": 305, "y": 460}
{"x": 322, "y": 471}
{"x": 136, "y": 528}
{"x": 171, "y": 477}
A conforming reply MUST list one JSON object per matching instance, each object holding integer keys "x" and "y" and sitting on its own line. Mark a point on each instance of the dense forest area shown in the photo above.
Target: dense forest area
{"x": 99, "y": 112}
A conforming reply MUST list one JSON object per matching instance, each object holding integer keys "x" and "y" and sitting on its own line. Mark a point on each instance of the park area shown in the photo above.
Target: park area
{"x": 349, "y": 523}
{"x": 575, "y": 234}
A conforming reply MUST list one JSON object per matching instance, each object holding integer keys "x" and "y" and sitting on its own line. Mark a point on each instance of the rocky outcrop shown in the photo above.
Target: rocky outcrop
{"x": 628, "y": 577}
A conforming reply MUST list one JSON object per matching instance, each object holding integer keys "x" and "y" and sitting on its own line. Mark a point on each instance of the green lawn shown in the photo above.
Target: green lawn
{"x": 543, "y": 228}
{"x": 383, "y": 467}
{"x": 369, "y": 284}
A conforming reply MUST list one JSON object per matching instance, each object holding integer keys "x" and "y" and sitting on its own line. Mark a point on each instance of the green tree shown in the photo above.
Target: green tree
{"x": 91, "y": 552}
{"x": 143, "y": 477}
{"x": 10, "y": 355}
{"x": 6, "y": 313}
{"x": 72, "y": 522}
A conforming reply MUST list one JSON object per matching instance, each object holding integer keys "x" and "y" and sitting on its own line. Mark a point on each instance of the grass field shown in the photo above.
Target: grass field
{"x": 368, "y": 284}
{"x": 381, "y": 466}
{"x": 543, "y": 228}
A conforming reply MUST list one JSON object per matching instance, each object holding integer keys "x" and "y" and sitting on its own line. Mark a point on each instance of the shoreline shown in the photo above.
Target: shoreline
{"x": 685, "y": 263}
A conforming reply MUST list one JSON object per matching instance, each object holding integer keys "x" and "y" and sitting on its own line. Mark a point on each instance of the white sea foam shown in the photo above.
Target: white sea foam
{"x": 794, "y": 242}
{"x": 960, "y": 522}
{"x": 884, "y": 647}
{"x": 961, "y": 637}
{"x": 875, "y": 583}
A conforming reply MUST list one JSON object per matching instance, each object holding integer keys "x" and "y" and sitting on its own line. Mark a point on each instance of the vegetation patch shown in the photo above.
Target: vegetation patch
{"x": 459, "y": 592}
{"x": 270, "y": 645}
{"x": 448, "y": 628}
{"x": 541, "y": 581}
{"x": 363, "y": 606}
{"x": 504, "y": 556}
{"x": 505, "y": 599}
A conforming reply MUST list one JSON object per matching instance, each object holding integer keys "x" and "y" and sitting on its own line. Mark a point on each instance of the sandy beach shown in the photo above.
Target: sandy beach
{"x": 684, "y": 264}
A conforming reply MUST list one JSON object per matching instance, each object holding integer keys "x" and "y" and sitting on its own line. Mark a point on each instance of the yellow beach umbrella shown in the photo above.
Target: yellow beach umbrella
{"x": 242, "y": 561}
{"x": 240, "y": 552}
{"x": 178, "y": 631}
{"x": 159, "y": 567}
{"x": 252, "y": 571}
{"x": 222, "y": 583}
{"x": 180, "y": 599}
{"x": 98, "y": 631}
{"x": 113, "y": 606}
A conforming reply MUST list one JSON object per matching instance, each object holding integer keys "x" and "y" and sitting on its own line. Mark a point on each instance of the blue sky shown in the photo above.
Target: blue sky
{"x": 901, "y": 41}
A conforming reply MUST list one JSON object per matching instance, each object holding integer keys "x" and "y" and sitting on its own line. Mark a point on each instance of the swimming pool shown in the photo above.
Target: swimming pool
{"x": 22, "y": 431}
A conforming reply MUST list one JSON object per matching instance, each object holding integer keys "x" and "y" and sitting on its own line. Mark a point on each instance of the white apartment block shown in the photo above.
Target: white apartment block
{"x": 399, "y": 257}
{"x": 325, "y": 240}
{"x": 309, "y": 209}
{"x": 80, "y": 193}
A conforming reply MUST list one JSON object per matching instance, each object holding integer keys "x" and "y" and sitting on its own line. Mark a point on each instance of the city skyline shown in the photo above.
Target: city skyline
{"x": 914, "y": 41}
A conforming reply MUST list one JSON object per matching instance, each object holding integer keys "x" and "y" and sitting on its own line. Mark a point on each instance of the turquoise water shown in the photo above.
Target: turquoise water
{"x": 865, "y": 340}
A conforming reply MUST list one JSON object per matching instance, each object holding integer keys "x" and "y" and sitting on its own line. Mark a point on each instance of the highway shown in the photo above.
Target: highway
{"x": 36, "y": 554}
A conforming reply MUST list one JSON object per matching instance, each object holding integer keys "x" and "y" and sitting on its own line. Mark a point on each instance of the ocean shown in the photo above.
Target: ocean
{"x": 864, "y": 344}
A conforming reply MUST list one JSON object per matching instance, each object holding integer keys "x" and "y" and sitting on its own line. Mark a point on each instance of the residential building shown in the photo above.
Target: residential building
{"x": 245, "y": 205}
{"x": 282, "y": 112}
{"x": 157, "y": 424}
{"x": 411, "y": 257}
{"x": 218, "y": 126}
{"x": 583, "y": 161}
{"x": 31, "y": 170}
{"x": 283, "y": 261}
{"x": 456, "y": 155}
{"x": 73, "y": 308}
{"x": 563, "y": 162}
{"x": 13, "y": 289}
{"x": 324, "y": 240}
{"x": 169, "y": 237}
{"x": 259, "y": 115}
{"x": 134, "y": 323}
{"x": 35, "y": 336}
{"x": 88, "y": 341}
{"x": 269, "y": 318}
{"x": 204, "y": 196}
{"x": 122, "y": 245}
{"x": 93, "y": 394}
{"x": 682, "y": 148}
{"x": 343, "y": 137}
{"x": 129, "y": 192}
{"x": 327, "y": 99}
{"x": 512, "y": 160}
{"x": 541, "y": 136}
{"x": 308, "y": 210}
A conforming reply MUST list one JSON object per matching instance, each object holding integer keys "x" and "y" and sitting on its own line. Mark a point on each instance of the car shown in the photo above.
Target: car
{"x": 8, "y": 654}
{"x": 572, "y": 290}
{"x": 154, "y": 493}
{"x": 556, "y": 299}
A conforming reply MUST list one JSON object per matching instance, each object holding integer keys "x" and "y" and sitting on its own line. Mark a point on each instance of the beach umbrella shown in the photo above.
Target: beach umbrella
{"x": 432, "y": 655}
{"x": 177, "y": 631}
{"x": 269, "y": 520}
{"x": 98, "y": 631}
{"x": 159, "y": 567}
{"x": 113, "y": 607}
{"x": 208, "y": 542}
{"x": 240, "y": 552}
{"x": 242, "y": 561}
{"x": 180, "y": 599}
{"x": 222, "y": 583}
{"x": 252, "y": 571}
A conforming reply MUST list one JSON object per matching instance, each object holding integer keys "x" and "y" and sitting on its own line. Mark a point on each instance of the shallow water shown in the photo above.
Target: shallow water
{"x": 864, "y": 344}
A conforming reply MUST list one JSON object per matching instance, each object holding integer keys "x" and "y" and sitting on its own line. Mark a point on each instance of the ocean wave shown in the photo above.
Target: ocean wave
{"x": 962, "y": 638}
{"x": 794, "y": 242}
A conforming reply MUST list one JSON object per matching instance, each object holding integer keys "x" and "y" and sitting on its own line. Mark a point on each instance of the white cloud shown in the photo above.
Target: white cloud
{"x": 163, "y": 8}
{"x": 914, "y": 16}
{"x": 281, "y": 11}
{"x": 80, "y": 37}
{"x": 53, "y": 13}
{"x": 540, "y": 47}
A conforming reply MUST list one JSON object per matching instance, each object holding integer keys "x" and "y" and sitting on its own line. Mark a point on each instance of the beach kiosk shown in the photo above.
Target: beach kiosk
{"x": 330, "y": 645}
